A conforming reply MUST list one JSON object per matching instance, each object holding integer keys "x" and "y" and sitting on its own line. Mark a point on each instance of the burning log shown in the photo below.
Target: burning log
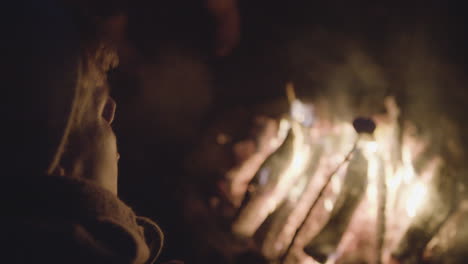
{"x": 355, "y": 183}
{"x": 327, "y": 240}
{"x": 364, "y": 208}
{"x": 272, "y": 237}
{"x": 280, "y": 170}
{"x": 272, "y": 182}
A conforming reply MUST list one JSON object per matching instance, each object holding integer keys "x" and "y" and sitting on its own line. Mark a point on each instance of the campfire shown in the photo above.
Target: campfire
{"x": 322, "y": 191}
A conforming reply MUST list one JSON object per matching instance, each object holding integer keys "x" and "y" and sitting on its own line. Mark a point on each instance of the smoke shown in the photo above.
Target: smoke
{"x": 354, "y": 75}
{"x": 345, "y": 76}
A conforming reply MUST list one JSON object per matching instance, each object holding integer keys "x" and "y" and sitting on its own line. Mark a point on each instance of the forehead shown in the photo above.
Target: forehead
{"x": 92, "y": 89}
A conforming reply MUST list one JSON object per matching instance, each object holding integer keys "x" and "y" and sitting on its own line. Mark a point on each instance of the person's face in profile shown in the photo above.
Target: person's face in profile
{"x": 92, "y": 149}
{"x": 103, "y": 154}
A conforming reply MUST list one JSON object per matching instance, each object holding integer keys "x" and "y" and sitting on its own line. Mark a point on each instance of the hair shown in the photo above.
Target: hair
{"x": 54, "y": 54}
{"x": 98, "y": 55}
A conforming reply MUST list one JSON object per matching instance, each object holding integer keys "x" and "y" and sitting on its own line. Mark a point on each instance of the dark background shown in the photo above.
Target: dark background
{"x": 168, "y": 93}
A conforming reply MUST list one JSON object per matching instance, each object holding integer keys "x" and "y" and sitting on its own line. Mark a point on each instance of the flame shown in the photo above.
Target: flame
{"x": 302, "y": 113}
{"x": 407, "y": 169}
{"x": 283, "y": 129}
{"x": 265, "y": 203}
{"x": 299, "y": 111}
{"x": 328, "y": 204}
{"x": 416, "y": 199}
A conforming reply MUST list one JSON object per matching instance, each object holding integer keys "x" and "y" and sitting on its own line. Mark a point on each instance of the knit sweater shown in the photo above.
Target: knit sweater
{"x": 59, "y": 220}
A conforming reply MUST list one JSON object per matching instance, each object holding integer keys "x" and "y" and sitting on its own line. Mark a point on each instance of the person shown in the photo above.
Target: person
{"x": 59, "y": 152}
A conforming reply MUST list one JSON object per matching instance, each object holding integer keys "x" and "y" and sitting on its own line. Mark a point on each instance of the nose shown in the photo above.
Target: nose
{"x": 109, "y": 110}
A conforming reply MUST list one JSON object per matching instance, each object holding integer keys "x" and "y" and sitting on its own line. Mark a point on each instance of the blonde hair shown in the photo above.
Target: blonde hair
{"x": 95, "y": 64}
{"x": 96, "y": 60}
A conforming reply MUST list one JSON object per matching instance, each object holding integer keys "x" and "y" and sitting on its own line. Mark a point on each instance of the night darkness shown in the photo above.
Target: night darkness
{"x": 169, "y": 86}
